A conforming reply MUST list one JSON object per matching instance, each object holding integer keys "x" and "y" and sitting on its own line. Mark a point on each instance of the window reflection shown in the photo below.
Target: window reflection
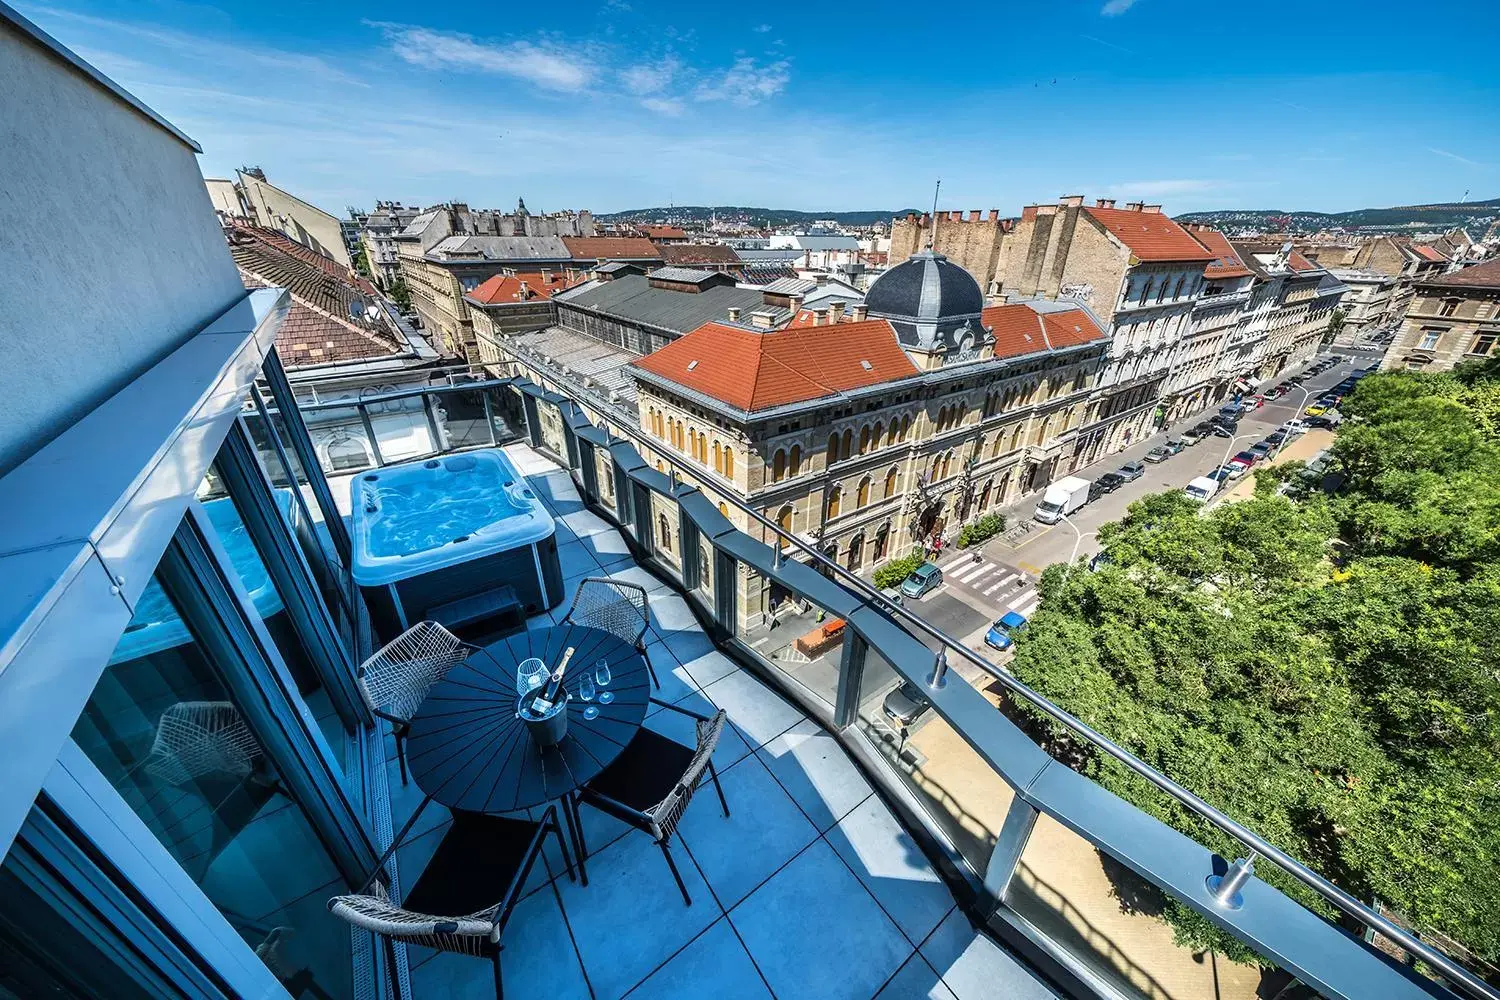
{"x": 163, "y": 728}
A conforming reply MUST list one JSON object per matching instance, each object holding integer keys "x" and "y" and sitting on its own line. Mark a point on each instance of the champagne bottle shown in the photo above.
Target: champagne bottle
{"x": 553, "y": 691}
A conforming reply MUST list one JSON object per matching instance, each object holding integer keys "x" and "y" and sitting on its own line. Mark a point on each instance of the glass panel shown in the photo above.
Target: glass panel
{"x": 248, "y": 562}
{"x": 665, "y": 544}
{"x": 162, "y": 728}
{"x": 705, "y": 569}
{"x": 340, "y": 440}
{"x": 604, "y": 466}
{"x": 796, "y": 637}
{"x": 508, "y": 414}
{"x": 550, "y": 418}
{"x": 1109, "y": 919}
{"x": 461, "y": 419}
{"x": 963, "y": 795}
{"x": 401, "y": 428}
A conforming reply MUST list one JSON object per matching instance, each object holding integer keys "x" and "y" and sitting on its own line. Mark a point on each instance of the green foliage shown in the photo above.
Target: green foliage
{"x": 893, "y": 572}
{"x": 399, "y": 293}
{"x": 1325, "y": 670}
{"x": 985, "y": 528}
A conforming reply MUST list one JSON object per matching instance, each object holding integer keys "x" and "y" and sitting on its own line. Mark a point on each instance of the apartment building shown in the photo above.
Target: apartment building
{"x": 869, "y": 435}
{"x": 377, "y": 238}
{"x": 250, "y": 196}
{"x": 1367, "y": 305}
{"x": 1291, "y": 304}
{"x": 1213, "y": 354}
{"x": 1452, "y": 318}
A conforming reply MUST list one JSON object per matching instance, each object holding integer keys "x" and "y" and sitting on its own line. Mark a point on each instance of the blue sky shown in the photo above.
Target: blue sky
{"x": 629, "y": 103}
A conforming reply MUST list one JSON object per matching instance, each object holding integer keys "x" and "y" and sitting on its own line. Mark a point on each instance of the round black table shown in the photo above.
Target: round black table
{"x": 469, "y": 751}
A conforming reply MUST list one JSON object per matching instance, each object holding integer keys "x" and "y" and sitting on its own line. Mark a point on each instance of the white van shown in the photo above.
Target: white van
{"x": 1201, "y": 489}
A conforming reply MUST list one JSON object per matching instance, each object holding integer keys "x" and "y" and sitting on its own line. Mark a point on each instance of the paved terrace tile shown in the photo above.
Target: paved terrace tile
{"x": 809, "y": 888}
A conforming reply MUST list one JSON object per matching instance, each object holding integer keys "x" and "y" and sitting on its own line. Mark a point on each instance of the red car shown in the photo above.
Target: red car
{"x": 1245, "y": 458}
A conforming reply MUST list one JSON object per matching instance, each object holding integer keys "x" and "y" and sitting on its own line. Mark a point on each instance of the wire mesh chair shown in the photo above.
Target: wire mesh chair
{"x": 481, "y": 858}
{"x": 651, "y": 783}
{"x": 616, "y": 607}
{"x": 396, "y": 679}
{"x": 198, "y": 739}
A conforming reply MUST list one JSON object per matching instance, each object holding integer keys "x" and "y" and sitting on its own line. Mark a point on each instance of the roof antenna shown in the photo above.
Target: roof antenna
{"x": 932, "y": 236}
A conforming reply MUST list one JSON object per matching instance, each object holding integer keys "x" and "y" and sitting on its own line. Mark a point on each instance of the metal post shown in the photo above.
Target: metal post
{"x": 1225, "y": 888}
{"x": 364, "y": 418}
{"x": 489, "y": 416}
{"x": 1020, "y": 819}
{"x": 438, "y": 444}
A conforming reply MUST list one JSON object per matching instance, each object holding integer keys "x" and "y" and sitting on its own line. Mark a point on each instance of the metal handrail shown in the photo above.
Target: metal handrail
{"x": 1450, "y": 970}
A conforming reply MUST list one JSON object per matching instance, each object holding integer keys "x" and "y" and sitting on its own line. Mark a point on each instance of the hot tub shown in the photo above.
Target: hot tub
{"x": 429, "y": 532}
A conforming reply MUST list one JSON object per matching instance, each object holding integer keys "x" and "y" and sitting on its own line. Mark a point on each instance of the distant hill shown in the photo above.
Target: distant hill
{"x": 754, "y": 216}
{"x": 1476, "y": 216}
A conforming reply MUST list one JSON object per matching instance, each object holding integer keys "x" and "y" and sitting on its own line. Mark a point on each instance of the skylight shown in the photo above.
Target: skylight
{"x": 866, "y": 365}
{"x": 692, "y": 364}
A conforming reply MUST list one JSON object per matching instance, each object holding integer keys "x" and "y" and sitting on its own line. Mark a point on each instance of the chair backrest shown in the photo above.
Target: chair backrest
{"x": 466, "y": 935}
{"x": 666, "y": 814}
{"x": 195, "y": 739}
{"x": 614, "y": 606}
{"x": 396, "y": 679}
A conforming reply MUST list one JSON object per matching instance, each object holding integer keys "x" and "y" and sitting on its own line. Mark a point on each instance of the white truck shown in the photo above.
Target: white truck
{"x": 1062, "y": 498}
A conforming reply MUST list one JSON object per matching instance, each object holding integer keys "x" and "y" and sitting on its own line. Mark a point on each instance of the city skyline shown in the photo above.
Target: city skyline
{"x": 619, "y": 107}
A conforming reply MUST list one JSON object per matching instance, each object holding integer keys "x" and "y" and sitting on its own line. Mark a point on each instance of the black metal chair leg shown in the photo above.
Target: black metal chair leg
{"x": 667, "y": 853}
{"x": 499, "y": 986}
{"x": 714, "y": 774}
{"x": 401, "y": 754}
{"x": 575, "y": 830}
{"x": 563, "y": 846}
{"x": 649, "y": 668}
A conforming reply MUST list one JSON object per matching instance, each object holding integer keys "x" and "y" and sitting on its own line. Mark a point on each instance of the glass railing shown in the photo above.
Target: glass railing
{"x": 1046, "y": 854}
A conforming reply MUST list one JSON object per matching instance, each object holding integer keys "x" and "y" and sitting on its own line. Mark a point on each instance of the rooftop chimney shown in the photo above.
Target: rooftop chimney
{"x": 861, "y": 312}
{"x": 821, "y": 279}
{"x": 817, "y": 317}
{"x": 734, "y": 314}
{"x": 1104, "y": 203}
{"x": 1151, "y": 208}
{"x": 994, "y": 215}
{"x": 956, "y": 216}
{"x": 977, "y": 214}
{"x": 835, "y": 313}
{"x": 1132, "y": 206}
{"x": 525, "y": 291}
{"x": 1071, "y": 201}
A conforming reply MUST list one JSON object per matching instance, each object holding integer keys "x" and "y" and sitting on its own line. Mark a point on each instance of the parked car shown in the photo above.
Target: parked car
{"x": 1201, "y": 489}
{"x": 1276, "y": 439}
{"x": 1224, "y": 430}
{"x": 1232, "y": 411}
{"x": 905, "y": 705}
{"x": 1131, "y": 471}
{"x": 891, "y": 594}
{"x": 1246, "y": 458}
{"x": 921, "y": 581}
{"x": 1002, "y": 634}
{"x": 1220, "y": 474}
{"x": 1260, "y": 450}
{"x": 1107, "y": 483}
{"x": 1158, "y": 454}
{"x": 1198, "y": 432}
{"x": 1219, "y": 420}
{"x": 1294, "y": 427}
{"x": 1234, "y": 470}
{"x": 1318, "y": 409}
{"x": 1327, "y": 421}
{"x": 1174, "y": 445}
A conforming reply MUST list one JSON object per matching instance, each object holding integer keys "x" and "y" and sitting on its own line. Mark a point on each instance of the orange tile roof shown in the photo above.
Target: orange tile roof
{"x": 507, "y": 287}
{"x": 1431, "y": 253}
{"x": 1226, "y": 263}
{"x": 1297, "y": 262}
{"x": 665, "y": 232}
{"x": 611, "y": 248}
{"x": 754, "y": 370}
{"x": 1150, "y": 235}
{"x": 1020, "y": 329}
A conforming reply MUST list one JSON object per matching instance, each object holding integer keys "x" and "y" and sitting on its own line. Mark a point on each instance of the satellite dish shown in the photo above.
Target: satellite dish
{"x": 357, "y": 307}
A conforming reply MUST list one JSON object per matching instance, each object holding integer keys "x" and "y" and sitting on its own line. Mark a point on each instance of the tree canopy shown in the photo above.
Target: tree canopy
{"x": 1323, "y": 668}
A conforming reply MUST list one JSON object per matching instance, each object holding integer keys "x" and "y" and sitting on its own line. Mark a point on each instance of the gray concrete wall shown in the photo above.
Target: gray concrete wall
{"x": 110, "y": 253}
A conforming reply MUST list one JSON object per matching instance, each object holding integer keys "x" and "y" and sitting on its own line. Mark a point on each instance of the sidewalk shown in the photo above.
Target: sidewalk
{"x": 1304, "y": 448}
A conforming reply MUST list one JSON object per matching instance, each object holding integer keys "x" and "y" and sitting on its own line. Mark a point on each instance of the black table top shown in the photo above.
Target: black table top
{"x": 468, "y": 750}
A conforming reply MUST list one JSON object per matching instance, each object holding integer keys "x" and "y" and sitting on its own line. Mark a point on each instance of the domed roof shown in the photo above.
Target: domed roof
{"x": 931, "y": 301}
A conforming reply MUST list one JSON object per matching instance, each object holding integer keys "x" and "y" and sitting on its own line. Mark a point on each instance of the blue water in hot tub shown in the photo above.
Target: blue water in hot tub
{"x": 425, "y": 515}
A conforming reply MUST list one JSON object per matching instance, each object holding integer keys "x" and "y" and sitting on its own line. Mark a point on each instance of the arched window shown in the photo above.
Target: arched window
{"x": 948, "y": 463}
{"x": 1177, "y": 292}
{"x": 693, "y": 442}
{"x": 875, "y": 437}
{"x": 348, "y": 453}
{"x": 833, "y": 447}
{"x": 1015, "y": 435}
{"x": 862, "y": 495}
{"x": 723, "y": 508}
{"x": 729, "y": 461}
{"x": 941, "y": 423}
{"x": 998, "y": 445}
{"x": 890, "y": 434}
{"x": 864, "y": 439}
{"x": 794, "y": 461}
{"x": 978, "y": 452}
{"x": 664, "y": 531}
{"x": 784, "y": 519}
{"x": 835, "y": 501}
{"x": 778, "y": 466}
{"x": 890, "y": 482}
{"x": 905, "y": 427}
{"x": 963, "y": 411}
{"x": 856, "y": 552}
{"x": 984, "y": 495}
{"x": 846, "y": 445}
{"x": 718, "y": 458}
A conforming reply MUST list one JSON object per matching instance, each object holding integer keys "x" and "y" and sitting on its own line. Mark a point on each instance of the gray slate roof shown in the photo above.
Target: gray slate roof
{"x": 687, "y": 275}
{"x": 525, "y": 248}
{"x": 791, "y": 286}
{"x": 631, "y": 297}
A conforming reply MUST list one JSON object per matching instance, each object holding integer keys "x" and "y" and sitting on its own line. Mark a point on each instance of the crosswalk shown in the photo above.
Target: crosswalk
{"x": 994, "y": 582}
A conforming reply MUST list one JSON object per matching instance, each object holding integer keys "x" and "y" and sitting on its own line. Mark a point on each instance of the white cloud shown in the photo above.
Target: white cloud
{"x": 1114, "y": 8}
{"x": 761, "y": 29}
{"x": 650, "y": 78}
{"x": 746, "y": 82}
{"x": 542, "y": 64}
{"x": 663, "y": 105}
{"x": 1454, "y": 156}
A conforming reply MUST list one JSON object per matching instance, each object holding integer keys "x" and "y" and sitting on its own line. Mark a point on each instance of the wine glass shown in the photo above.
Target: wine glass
{"x": 531, "y": 673}
{"x": 586, "y": 694}
{"x": 602, "y": 676}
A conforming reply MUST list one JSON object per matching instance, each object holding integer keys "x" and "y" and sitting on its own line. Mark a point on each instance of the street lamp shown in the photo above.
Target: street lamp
{"x": 1229, "y": 450}
{"x": 1077, "y": 541}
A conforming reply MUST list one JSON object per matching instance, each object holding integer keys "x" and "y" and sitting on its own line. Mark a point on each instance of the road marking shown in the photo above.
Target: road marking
{"x": 1002, "y": 582}
{"x": 952, "y": 562}
{"x": 1028, "y": 568}
{"x": 983, "y": 569}
{"x": 1025, "y": 612}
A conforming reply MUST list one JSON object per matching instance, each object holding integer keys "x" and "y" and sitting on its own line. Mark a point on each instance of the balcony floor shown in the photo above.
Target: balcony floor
{"x": 810, "y": 888}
